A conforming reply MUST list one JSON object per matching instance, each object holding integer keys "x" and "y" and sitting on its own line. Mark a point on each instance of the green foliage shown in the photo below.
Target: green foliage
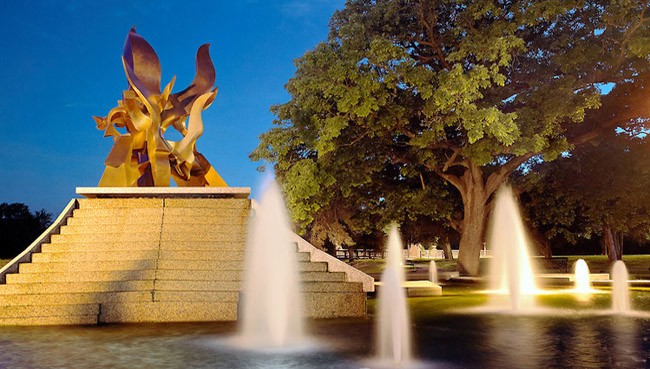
{"x": 390, "y": 119}
{"x": 19, "y": 227}
{"x": 598, "y": 185}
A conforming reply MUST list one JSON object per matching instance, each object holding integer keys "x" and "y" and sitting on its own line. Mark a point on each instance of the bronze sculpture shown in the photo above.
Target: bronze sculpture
{"x": 142, "y": 157}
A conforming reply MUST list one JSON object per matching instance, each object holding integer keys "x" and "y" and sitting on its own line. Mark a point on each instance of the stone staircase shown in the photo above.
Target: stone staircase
{"x": 153, "y": 260}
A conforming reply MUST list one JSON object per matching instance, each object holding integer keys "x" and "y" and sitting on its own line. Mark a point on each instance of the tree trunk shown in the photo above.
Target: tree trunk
{"x": 473, "y": 230}
{"x": 611, "y": 243}
{"x": 446, "y": 249}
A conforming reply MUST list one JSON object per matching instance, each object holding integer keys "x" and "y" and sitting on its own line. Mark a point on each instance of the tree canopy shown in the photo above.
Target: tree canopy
{"x": 427, "y": 107}
{"x": 19, "y": 227}
{"x": 600, "y": 190}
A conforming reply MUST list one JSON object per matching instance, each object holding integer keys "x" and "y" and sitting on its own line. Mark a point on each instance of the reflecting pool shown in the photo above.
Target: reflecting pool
{"x": 443, "y": 337}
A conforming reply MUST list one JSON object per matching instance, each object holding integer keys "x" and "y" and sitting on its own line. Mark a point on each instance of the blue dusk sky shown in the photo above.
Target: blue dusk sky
{"x": 61, "y": 64}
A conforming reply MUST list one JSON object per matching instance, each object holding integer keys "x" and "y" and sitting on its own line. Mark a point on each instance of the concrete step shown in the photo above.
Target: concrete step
{"x": 323, "y": 276}
{"x": 100, "y": 246}
{"x": 74, "y": 298}
{"x": 203, "y": 245}
{"x": 132, "y": 255}
{"x": 234, "y": 235}
{"x": 332, "y": 287}
{"x": 218, "y": 255}
{"x": 106, "y": 237}
{"x": 120, "y": 213}
{"x": 201, "y": 264}
{"x": 206, "y": 296}
{"x": 120, "y": 203}
{"x": 199, "y": 275}
{"x": 89, "y": 265}
{"x": 145, "y": 245}
{"x": 306, "y": 266}
{"x": 168, "y": 312}
{"x": 307, "y": 286}
{"x": 89, "y": 276}
{"x": 335, "y": 305}
{"x": 188, "y": 228}
{"x": 110, "y": 229}
{"x": 76, "y": 287}
{"x": 304, "y": 256}
{"x": 208, "y": 203}
{"x": 190, "y": 285}
{"x": 42, "y": 310}
{"x": 112, "y": 220}
{"x": 187, "y": 214}
{"x": 51, "y": 320}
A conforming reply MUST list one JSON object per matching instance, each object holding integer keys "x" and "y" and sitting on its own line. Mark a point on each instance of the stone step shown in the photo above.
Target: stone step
{"x": 335, "y": 305}
{"x": 90, "y": 265}
{"x": 42, "y": 310}
{"x": 51, "y": 320}
{"x": 120, "y": 221}
{"x": 234, "y": 235}
{"x": 146, "y": 245}
{"x": 105, "y": 237}
{"x": 208, "y": 203}
{"x": 131, "y": 255}
{"x": 304, "y": 256}
{"x": 307, "y": 286}
{"x": 89, "y": 276}
{"x": 192, "y": 285}
{"x": 168, "y": 312}
{"x": 100, "y": 246}
{"x": 217, "y": 255}
{"x": 119, "y": 203}
{"x": 207, "y": 296}
{"x": 74, "y": 298}
{"x": 323, "y": 276}
{"x": 76, "y": 287}
{"x": 189, "y": 228}
{"x": 110, "y": 229}
{"x": 201, "y": 264}
{"x": 199, "y": 275}
{"x": 332, "y": 287}
{"x": 312, "y": 267}
{"x": 187, "y": 214}
{"x": 120, "y": 213}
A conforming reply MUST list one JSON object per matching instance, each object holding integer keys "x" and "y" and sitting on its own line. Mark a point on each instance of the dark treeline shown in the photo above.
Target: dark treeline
{"x": 19, "y": 227}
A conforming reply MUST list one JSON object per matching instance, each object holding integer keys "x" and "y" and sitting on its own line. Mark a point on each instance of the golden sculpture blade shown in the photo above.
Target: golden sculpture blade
{"x": 142, "y": 156}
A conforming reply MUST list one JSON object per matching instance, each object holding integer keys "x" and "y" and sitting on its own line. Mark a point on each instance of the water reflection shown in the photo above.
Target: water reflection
{"x": 443, "y": 341}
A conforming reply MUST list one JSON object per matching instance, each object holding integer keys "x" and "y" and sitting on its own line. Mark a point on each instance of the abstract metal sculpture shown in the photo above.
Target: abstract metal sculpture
{"x": 142, "y": 157}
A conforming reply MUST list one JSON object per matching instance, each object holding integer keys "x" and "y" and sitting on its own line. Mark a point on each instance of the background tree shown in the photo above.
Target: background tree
{"x": 458, "y": 92}
{"x": 600, "y": 190}
{"x": 19, "y": 228}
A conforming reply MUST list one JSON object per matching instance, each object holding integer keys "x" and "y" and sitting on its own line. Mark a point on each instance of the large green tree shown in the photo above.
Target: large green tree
{"x": 600, "y": 190}
{"x": 453, "y": 95}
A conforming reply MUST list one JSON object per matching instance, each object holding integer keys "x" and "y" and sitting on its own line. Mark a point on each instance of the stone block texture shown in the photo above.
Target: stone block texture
{"x": 120, "y": 260}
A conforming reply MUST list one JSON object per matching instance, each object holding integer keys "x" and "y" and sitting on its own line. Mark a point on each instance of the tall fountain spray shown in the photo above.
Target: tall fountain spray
{"x": 393, "y": 321}
{"x": 511, "y": 270}
{"x": 433, "y": 272}
{"x": 272, "y": 306}
{"x": 620, "y": 288}
{"x": 582, "y": 277}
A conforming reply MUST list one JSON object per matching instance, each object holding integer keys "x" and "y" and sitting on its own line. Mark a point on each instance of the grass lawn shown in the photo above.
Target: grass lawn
{"x": 638, "y": 265}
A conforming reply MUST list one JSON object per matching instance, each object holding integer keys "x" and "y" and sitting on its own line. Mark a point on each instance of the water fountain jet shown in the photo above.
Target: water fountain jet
{"x": 620, "y": 289}
{"x": 433, "y": 272}
{"x": 511, "y": 271}
{"x": 272, "y": 306}
{"x": 393, "y": 321}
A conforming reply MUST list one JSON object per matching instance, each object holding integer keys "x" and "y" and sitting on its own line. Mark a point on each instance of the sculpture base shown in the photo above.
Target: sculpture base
{"x": 163, "y": 192}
